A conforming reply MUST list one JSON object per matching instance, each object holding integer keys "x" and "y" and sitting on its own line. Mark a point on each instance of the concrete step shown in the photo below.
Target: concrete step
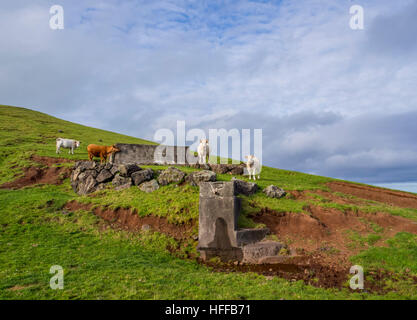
{"x": 255, "y": 252}
{"x": 248, "y": 236}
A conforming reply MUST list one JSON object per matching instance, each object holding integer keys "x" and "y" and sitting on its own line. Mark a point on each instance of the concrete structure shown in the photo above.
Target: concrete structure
{"x": 219, "y": 235}
{"x": 148, "y": 154}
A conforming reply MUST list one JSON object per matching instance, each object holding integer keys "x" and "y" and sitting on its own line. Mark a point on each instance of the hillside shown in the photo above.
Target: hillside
{"x": 328, "y": 225}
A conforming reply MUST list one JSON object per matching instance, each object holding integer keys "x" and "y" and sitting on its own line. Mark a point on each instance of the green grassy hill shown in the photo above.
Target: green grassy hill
{"x": 319, "y": 220}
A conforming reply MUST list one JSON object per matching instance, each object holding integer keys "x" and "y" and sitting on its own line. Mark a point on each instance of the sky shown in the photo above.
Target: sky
{"x": 330, "y": 100}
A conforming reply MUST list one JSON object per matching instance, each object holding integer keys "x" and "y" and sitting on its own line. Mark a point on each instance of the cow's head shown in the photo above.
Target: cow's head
{"x": 113, "y": 149}
{"x": 77, "y": 144}
{"x": 250, "y": 158}
{"x": 204, "y": 141}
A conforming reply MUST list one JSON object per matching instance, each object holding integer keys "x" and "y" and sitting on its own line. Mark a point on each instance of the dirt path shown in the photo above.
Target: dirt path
{"x": 395, "y": 198}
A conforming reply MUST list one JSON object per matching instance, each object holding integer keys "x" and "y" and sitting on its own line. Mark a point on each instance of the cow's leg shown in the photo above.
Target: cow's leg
{"x": 57, "y": 150}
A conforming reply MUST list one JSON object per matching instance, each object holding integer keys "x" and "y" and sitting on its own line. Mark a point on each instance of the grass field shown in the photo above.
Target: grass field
{"x": 105, "y": 263}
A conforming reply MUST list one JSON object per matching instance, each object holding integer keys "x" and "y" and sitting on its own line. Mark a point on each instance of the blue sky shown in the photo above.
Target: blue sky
{"x": 330, "y": 100}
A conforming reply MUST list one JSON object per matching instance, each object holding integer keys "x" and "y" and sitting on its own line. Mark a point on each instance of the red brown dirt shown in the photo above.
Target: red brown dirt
{"x": 327, "y": 229}
{"x": 128, "y": 219}
{"x": 46, "y": 174}
{"x": 390, "y": 197}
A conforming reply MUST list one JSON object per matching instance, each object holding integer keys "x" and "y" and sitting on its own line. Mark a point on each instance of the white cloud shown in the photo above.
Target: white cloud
{"x": 136, "y": 66}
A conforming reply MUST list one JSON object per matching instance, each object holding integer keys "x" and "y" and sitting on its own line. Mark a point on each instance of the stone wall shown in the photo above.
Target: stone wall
{"x": 148, "y": 154}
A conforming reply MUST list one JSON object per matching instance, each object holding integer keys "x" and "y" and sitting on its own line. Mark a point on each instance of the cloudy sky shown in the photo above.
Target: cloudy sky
{"x": 330, "y": 100}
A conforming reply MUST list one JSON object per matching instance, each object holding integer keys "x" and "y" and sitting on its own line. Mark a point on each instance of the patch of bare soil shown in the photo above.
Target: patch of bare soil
{"x": 311, "y": 270}
{"x": 128, "y": 219}
{"x": 322, "y": 244}
{"x": 327, "y": 229}
{"x": 49, "y": 161}
{"x": 391, "y": 197}
{"x": 41, "y": 175}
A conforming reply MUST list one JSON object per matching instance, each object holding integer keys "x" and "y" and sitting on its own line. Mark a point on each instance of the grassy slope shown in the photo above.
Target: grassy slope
{"x": 102, "y": 263}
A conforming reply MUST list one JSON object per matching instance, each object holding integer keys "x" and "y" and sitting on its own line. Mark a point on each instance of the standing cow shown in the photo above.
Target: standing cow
{"x": 68, "y": 144}
{"x": 101, "y": 151}
{"x": 203, "y": 151}
{"x": 253, "y": 166}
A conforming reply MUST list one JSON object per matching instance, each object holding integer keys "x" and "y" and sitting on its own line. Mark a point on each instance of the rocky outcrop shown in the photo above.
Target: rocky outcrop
{"x": 89, "y": 176}
{"x": 274, "y": 192}
{"x": 171, "y": 175}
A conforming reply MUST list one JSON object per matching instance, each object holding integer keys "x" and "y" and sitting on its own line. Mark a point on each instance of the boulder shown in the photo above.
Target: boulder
{"x": 123, "y": 186}
{"x": 141, "y": 176}
{"x": 195, "y": 178}
{"x": 118, "y": 180}
{"x": 274, "y": 192}
{"x": 85, "y": 165}
{"x": 104, "y": 176}
{"x": 126, "y": 170}
{"x": 91, "y": 172}
{"x": 149, "y": 186}
{"x": 221, "y": 168}
{"x": 170, "y": 175}
{"x": 237, "y": 170}
{"x": 114, "y": 169}
{"x": 86, "y": 186}
{"x": 75, "y": 173}
{"x": 246, "y": 188}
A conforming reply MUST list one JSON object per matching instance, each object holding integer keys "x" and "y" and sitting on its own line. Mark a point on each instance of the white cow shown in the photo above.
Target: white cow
{"x": 253, "y": 166}
{"x": 68, "y": 144}
{"x": 203, "y": 151}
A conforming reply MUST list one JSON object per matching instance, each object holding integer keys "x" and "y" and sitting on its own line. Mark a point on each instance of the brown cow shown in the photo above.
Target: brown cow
{"x": 100, "y": 151}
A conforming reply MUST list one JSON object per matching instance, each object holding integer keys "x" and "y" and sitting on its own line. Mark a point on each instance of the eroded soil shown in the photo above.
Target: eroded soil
{"x": 45, "y": 173}
{"x": 128, "y": 219}
{"x": 390, "y": 197}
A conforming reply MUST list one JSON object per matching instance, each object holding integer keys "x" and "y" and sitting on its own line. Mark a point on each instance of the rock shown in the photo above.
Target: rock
{"x": 246, "y": 188}
{"x": 85, "y": 165}
{"x": 119, "y": 181}
{"x": 123, "y": 186}
{"x": 84, "y": 175}
{"x": 91, "y": 172}
{"x": 195, "y": 178}
{"x": 104, "y": 176}
{"x": 237, "y": 170}
{"x": 274, "y": 259}
{"x": 86, "y": 186}
{"x": 114, "y": 169}
{"x": 99, "y": 167}
{"x": 75, "y": 173}
{"x": 221, "y": 168}
{"x": 253, "y": 253}
{"x": 146, "y": 227}
{"x": 60, "y": 131}
{"x": 274, "y": 192}
{"x": 141, "y": 176}
{"x": 126, "y": 170}
{"x": 108, "y": 166}
{"x": 170, "y": 175}
{"x": 149, "y": 186}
